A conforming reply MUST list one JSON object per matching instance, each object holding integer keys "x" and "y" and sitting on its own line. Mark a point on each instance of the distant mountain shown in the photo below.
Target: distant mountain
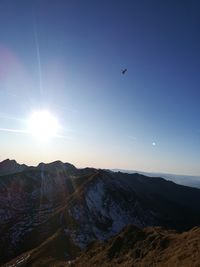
{"x": 188, "y": 180}
{"x": 56, "y": 205}
{"x": 11, "y": 166}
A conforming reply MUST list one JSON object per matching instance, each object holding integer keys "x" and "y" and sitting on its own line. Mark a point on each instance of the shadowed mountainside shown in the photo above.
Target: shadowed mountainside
{"x": 57, "y": 203}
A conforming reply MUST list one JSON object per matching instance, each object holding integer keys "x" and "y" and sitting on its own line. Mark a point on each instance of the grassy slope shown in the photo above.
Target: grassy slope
{"x": 143, "y": 248}
{"x": 131, "y": 248}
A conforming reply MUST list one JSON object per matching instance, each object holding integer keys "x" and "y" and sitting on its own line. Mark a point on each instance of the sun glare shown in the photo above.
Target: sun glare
{"x": 43, "y": 125}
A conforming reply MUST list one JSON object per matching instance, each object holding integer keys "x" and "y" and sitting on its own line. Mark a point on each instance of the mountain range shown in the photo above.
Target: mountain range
{"x": 54, "y": 211}
{"x": 188, "y": 180}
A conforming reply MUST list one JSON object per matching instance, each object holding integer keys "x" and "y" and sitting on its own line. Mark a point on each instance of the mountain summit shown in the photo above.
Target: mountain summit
{"x": 11, "y": 166}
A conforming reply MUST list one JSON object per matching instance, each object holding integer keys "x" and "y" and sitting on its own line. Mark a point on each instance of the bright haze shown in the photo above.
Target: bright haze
{"x": 63, "y": 60}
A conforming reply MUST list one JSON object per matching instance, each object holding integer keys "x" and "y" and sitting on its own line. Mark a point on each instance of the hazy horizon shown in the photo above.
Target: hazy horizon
{"x": 63, "y": 61}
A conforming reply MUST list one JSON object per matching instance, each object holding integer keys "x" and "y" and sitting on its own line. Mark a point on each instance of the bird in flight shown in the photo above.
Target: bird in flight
{"x": 124, "y": 71}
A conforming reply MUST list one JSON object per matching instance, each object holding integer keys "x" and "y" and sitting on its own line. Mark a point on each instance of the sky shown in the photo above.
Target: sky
{"x": 66, "y": 57}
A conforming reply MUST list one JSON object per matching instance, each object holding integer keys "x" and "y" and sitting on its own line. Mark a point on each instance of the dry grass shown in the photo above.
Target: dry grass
{"x": 144, "y": 248}
{"x": 151, "y": 247}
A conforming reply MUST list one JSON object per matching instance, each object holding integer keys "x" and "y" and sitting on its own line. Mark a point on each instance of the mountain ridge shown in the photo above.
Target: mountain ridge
{"x": 182, "y": 179}
{"x": 8, "y": 166}
{"x": 86, "y": 205}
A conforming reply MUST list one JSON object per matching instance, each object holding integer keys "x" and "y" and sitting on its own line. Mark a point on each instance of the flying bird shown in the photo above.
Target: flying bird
{"x": 124, "y": 71}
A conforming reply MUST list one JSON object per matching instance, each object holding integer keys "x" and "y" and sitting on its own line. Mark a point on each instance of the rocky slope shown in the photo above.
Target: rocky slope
{"x": 11, "y": 166}
{"x": 59, "y": 204}
{"x": 29, "y": 205}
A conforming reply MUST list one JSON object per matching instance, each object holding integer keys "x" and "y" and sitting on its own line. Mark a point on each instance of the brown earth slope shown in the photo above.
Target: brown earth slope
{"x": 144, "y": 248}
{"x": 132, "y": 247}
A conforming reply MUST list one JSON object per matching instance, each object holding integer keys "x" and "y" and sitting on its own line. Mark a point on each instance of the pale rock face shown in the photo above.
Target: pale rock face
{"x": 101, "y": 214}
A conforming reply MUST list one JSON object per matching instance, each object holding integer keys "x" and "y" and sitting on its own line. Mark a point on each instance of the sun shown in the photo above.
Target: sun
{"x": 43, "y": 125}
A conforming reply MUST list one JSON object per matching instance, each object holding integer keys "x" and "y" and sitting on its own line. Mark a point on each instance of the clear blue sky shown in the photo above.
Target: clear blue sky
{"x": 147, "y": 119}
